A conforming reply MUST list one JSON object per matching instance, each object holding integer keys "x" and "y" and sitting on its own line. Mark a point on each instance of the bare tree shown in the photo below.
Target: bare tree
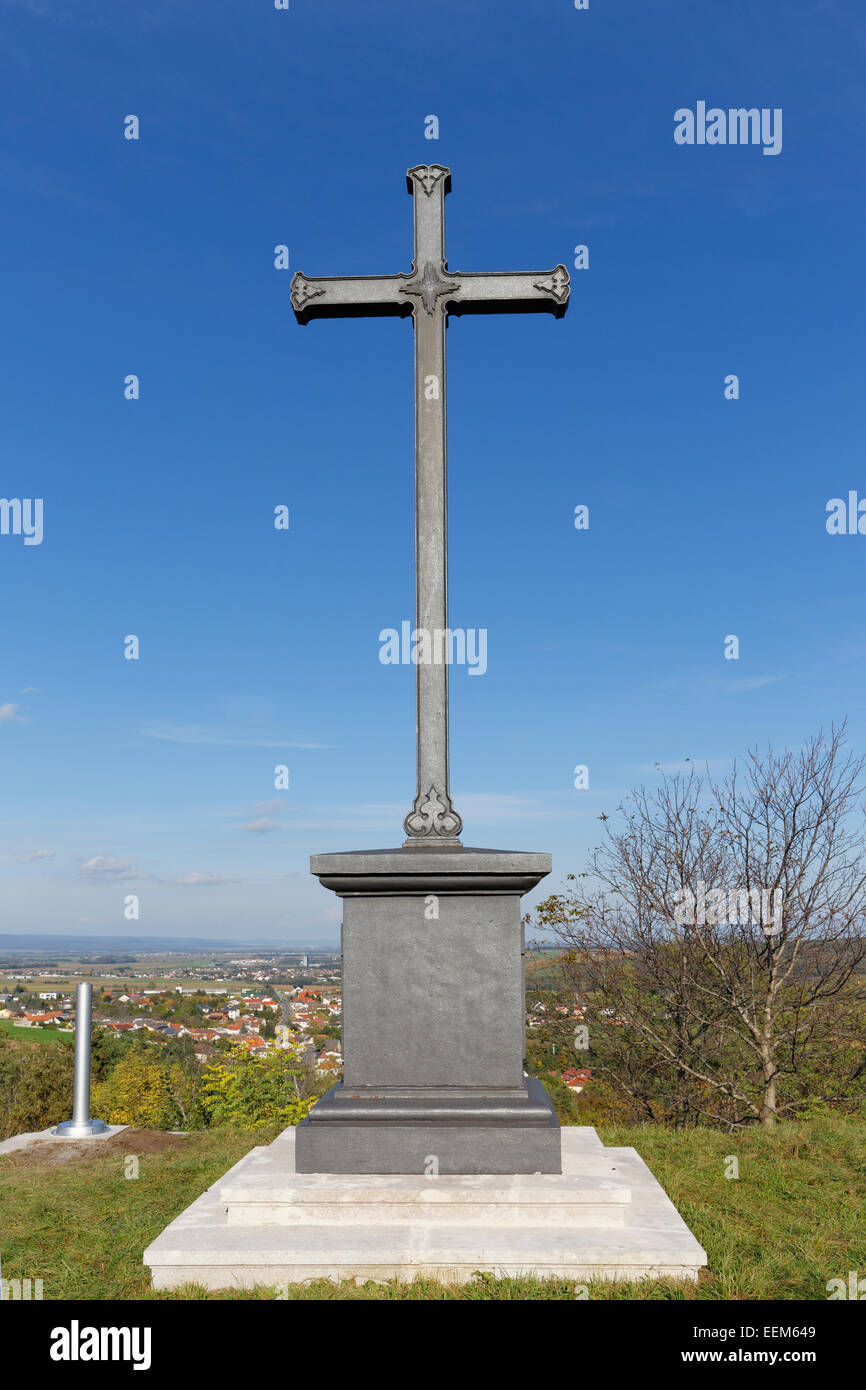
{"x": 722, "y": 934}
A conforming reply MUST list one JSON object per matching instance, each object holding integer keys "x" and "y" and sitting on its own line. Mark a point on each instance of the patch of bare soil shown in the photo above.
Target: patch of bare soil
{"x": 47, "y": 1153}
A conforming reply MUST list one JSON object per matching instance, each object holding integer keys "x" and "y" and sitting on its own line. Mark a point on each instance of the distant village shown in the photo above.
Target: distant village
{"x": 539, "y": 1014}
{"x": 258, "y": 1016}
{"x": 307, "y": 1016}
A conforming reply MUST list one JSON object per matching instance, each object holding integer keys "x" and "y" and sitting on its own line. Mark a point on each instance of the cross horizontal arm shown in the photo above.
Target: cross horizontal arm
{"x": 347, "y": 296}
{"x": 507, "y": 293}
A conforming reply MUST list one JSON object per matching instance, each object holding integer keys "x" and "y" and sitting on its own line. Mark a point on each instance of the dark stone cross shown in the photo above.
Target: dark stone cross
{"x": 430, "y": 292}
{"x": 432, "y": 943}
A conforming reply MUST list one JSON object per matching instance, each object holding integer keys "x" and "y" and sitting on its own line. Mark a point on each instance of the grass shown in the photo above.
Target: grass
{"x": 33, "y": 1035}
{"x": 794, "y": 1218}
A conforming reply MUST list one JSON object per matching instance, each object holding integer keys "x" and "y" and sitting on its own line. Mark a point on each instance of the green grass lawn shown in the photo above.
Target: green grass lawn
{"x": 33, "y": 1035}
{"x": 795, "y": 1217}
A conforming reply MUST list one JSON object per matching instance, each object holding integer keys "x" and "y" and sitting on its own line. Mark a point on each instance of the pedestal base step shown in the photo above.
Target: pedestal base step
{"x": 462, "y": 1130}
{"x": 605, "y": 1216}
{"x": 260, "y": 1191}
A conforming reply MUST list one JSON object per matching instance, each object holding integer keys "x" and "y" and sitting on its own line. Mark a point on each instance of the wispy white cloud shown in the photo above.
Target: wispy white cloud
{"x": 32, "y": 855}
{"x": 11, "y": 714}
{"x": 504, "y": 806}
{"x": 261, "y": 826}
{"x": 215, "y": 734}
{"x": 34, "y": 6}
{"x": 116, "y": 870}
{"x": 725, "y": 682}
{"x": 372, "y": 815}
{"x": 28, "y": 179}
{"x": 474, "y": 806}
{"x": 197, "y": 880}
{"x": 751, "y": 682}
{"x": 99, "y": 867}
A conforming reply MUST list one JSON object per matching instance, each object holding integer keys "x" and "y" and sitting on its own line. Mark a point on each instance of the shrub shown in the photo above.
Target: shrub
{"x": 35, "y": 1088}
{"x": 136, "y": 1092}
{"x": 246, "y": 1090}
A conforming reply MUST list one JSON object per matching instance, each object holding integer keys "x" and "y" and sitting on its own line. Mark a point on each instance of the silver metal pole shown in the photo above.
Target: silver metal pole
{"x": 83, "y": 1026}
{"x": 81, "y": 1126}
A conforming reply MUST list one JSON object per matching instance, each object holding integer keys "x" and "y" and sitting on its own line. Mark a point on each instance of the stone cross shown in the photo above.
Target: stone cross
{"x": 430, "y": 292}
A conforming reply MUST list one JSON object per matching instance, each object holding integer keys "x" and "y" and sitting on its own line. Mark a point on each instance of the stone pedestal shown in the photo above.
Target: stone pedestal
{"x": 436, "y": 1157}
{"x": 265, "y": 1224}
{"x": 433, "y": 1019}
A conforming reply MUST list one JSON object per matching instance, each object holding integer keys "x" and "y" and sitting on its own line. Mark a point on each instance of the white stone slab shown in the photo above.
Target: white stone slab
{"x": 263, "y": 1189}
{"x": 445, "y": 1237}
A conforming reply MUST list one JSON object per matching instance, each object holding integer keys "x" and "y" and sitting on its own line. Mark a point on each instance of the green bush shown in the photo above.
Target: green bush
{"x": 35, "y": 1088}
{"x": 245, "y": 1090}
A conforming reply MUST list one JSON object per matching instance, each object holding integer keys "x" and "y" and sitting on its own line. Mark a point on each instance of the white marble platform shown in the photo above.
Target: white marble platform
{"x": 605, "y": 1216}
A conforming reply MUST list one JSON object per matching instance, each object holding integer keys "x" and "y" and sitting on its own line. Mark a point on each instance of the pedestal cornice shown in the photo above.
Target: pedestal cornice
{"x": 379, "y": 872}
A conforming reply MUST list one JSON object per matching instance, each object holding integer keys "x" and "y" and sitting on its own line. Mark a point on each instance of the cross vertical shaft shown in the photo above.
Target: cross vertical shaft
{"x": 432, "y": 818}
{"x": 431, "y": 555}
{"x": 429, "y": 293}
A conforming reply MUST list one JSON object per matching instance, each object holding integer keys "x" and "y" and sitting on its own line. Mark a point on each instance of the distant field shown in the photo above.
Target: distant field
{"x": 543, "y": 972}
{"x": 125, "y": 985}
{"x": 34, "y": 1035}
{"x": 66, "y": 983}
{"x": 120, "y": 983}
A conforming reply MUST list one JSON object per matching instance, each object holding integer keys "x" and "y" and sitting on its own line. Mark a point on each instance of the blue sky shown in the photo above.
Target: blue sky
{"x": 606, "y": 647}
